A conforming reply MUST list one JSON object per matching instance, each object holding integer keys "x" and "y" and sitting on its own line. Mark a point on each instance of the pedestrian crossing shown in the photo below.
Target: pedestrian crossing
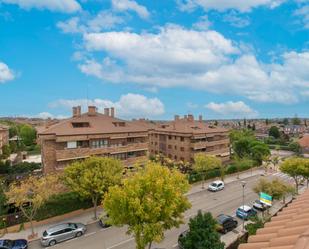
{"x": 283, "y": 176}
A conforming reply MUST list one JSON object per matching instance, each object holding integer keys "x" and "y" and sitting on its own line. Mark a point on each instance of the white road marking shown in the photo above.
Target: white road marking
{"x": 88, "y": 234}
{"x": 120, "y": 243}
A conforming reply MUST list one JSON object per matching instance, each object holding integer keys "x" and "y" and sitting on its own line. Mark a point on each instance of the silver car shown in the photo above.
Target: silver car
{"x": 58, "y": 233}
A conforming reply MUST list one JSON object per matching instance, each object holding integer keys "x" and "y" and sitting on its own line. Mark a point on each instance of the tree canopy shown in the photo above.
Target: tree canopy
{"x": 92, "y": 177}
{"x": 295, "y": 167}
{"x": 35, "y": 191}
{"x": 204, "y": 163}
{"x": 149, "y": 202}
{"x": 274, "y": 132}
{"x": 202, "y": 233}
{"x": 276, "y": 188}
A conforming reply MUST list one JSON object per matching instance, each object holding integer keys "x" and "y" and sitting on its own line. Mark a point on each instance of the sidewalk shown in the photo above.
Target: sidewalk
{"x": 197, "y": 187}
{"x": 87, "y": 217}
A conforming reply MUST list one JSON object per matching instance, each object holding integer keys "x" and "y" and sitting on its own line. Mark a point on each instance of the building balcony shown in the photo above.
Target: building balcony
{"x": 205, "y": 144}
{"x": 219, "y": 152}
{"x": 78, "y": 153}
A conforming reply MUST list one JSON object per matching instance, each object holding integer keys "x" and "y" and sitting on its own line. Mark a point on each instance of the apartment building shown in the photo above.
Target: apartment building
{"x": 92, "y": 134}
{"x": 182, "y": 138}
{"x": 4, "y": 136}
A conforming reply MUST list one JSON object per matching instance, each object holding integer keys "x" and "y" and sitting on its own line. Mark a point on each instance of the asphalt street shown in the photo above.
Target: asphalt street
{"x": 225, "y": 201}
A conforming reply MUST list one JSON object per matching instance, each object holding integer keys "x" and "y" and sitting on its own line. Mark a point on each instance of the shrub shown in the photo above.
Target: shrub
{"x": 231, "y": 169}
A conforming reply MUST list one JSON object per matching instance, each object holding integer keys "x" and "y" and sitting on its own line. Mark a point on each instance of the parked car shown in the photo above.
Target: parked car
{"x": 13, "y": 244}
{"x": 257, "y": 204}
{"x": 183, "y": 234}
{"x": 216, "y": 186}
{"x": 102, "y": 221}
{"x": 58, "y": 233}
{"x": 226, "y": 223}
{"x": 245, "y": 212}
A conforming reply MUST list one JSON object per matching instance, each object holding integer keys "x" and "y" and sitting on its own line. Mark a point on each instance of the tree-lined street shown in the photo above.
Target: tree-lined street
{"x": 226, "y": 201}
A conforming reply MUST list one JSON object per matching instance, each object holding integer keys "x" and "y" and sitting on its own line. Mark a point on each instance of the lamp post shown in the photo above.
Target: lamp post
{"x": 243, "y": 184}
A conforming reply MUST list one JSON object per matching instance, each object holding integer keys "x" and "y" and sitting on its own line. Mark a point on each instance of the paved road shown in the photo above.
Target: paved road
{"x": 226, "y": 201}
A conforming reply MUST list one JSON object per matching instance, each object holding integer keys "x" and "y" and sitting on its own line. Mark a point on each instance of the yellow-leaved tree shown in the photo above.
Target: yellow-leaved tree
{"x": 204, "y": 163}
{"x": 92, "y": 177}
{"x": 149, "y": 202}
{"x": 34, "y": 191}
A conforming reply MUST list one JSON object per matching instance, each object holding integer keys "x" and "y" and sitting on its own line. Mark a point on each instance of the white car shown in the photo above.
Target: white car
{"x": 216, "y": 186}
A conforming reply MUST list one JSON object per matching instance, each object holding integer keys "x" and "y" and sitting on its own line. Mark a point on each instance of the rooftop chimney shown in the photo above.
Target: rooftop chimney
{"x": 176, "y": 117}
{"x": 112, "y": 112}
{"x": 106, "y": 111}
{"x": 190, "y": 118}
{"x": 76, "y": 111}
{"x": 92, "y": 110}
{"x": 200, "y": 118}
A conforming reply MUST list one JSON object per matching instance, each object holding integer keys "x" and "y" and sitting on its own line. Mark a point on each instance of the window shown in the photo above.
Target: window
{"x": 182, "y": 139}
{"x": 72, "y": 145}
{"x": 99, "y": 143}
{"x": 175, "y": 147}
{"x": 170, "y": 146}
{"x": 175, "y": 157}
{"x": 182, "y": 149}
{"x": 169, "y": 137}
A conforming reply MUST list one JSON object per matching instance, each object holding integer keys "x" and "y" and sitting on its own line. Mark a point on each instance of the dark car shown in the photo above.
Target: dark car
{"x": 13, "y": 244}
{"x": 226, "y": 223}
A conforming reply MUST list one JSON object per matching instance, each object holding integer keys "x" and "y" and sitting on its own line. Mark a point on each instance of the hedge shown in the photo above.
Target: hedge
{"x": 61, "y": 204}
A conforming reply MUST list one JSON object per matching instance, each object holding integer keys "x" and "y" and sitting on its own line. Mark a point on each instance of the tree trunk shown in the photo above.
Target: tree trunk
{"x": 95, "y": 204}
{"x": 296, "y": 185}
{"x": 32, "y": 228}
{"x": 149, "y": 247}
{"x": 203, "y": 182}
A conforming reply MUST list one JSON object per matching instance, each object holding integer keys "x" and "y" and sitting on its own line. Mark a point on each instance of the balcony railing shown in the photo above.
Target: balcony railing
{"x": 69, "y": 154}
{"x": 205, "y": 144}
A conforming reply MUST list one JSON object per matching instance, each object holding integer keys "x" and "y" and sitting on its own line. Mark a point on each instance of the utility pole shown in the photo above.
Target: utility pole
{"x": 243, "y": 184}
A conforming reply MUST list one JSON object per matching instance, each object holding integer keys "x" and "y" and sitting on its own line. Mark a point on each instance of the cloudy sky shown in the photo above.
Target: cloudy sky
{"x": 154, "y": 59}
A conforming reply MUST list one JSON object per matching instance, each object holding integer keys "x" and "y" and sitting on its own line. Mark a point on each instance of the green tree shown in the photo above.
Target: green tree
{"x": 6, "y": 151}
{"x": 294, "y": 168}
{"x": 3, "y": 198}
{"x": 92, "y": 177}
{"x": 274, "y": 132}
{"x": 27, "y": 134}
{"x": 294, "y": 146}
{"x": 149, "y": 202}
{"x": 285, "y": 121}
{"x": 259, "y": 151}
{"x": 204, "y": 163}
{"x": 296, "y": 121}
{"x": 276, "y": 188}
{"x": 33, "y": 190}
{"x": 202, "y": 233}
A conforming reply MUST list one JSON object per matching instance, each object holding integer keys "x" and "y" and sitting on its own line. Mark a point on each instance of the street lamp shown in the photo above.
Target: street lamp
{"x": 243, "y": 184}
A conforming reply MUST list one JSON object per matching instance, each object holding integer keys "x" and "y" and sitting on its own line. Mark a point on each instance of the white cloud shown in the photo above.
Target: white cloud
{"x": 128, "y": 106}
{"x": 203, "y": 60}
{"x": 6, "y": 73}
{"x": 222, "y": 5}
{"x": 236, "y": 20}
{"x": 203, "y": 23}
{"x": 104, "y": 20}
{"x": 303, "y": 12}
{"x": 66, "y": 6}
{"x": 232, "y": 109}
{"x": 125, "y": 5}
{"x": 46, "y": 115}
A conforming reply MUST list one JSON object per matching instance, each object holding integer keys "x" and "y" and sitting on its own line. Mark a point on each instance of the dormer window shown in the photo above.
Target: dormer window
{"x": 80, "y": 124}
{"x": 119, "y": 124}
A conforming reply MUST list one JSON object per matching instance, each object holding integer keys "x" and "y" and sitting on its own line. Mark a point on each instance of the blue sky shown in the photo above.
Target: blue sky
{"x": 154, "y": 59}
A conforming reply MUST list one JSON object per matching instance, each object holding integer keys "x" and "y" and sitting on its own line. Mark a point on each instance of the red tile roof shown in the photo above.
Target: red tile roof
{"x": 288, "y": 230}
